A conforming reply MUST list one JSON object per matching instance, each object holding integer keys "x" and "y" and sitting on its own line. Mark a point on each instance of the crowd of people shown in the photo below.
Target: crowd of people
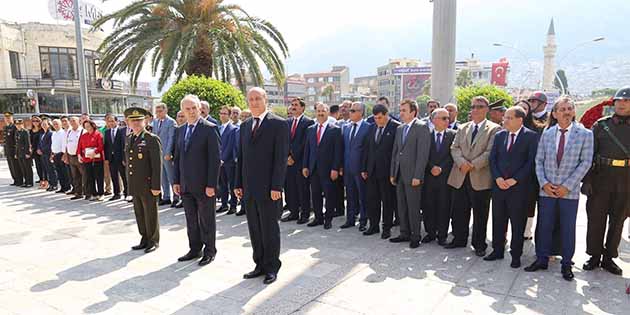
{"x": 431, "y": 174}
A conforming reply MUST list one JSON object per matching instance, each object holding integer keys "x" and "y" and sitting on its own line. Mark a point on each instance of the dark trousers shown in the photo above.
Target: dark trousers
{"x": 436, "y": 213}
{"x": 14, "y": 168}
{"x": 356, "y": 195}
{"x": 465, "y": 198}
{"x": 509, "y": 205}
{"x": 226, "y": 185}
{"x": 48, "y": 170}
{"x": 76, "y": 170}
{"x": 38, "y": 166}
{"x": 323, "y": 187}
{"x": 201, "y": 224}
{"x": 297, "y": 192}
{"x": 340, "y": 207}
{"x": 602, "y": 205}
{"x": 146, "y": 210}
{"x": 62, "y": 172}
{"x": 409, "y": 200}
{"x": 117, "y": 169}
{"x": 548, "y": 210}
{"x": 94, "y": 178}
{"x": 26, "y": 168}
{"x": 264, "y": 232}
{"x": 381, "y": 197}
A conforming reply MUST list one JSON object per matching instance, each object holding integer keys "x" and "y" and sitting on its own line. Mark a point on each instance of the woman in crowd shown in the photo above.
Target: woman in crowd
{"x": 35, "y": 136}
{"x": 49, "y": 174}
{"x": 91, "y": 155}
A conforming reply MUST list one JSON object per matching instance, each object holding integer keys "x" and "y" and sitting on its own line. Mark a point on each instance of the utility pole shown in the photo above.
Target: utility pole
{"x": 80, "y": 58}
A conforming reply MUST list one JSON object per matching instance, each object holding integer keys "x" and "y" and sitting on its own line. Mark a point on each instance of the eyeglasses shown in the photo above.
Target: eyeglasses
{"x": 442, "y": 118}
{"x": 478, "y": 106}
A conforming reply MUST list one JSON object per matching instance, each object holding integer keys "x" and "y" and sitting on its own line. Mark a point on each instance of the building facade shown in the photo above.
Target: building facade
{"x": 327, "y": 87}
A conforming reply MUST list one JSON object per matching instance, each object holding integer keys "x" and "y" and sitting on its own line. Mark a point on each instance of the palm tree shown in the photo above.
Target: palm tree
{"x": 192, "y": 37}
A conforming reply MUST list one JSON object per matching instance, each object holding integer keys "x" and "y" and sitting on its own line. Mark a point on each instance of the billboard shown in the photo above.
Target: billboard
{"x": 63, "y": 10}
{"x": 412, "y": 85}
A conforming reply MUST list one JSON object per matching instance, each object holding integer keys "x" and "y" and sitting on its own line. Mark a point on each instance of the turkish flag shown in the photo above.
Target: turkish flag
{"x": 499, "y": 73}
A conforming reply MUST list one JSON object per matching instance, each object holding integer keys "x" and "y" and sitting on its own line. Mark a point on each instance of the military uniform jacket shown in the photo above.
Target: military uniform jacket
{"x": 9, "y": 139}
{"x": 610, "y": 178}
{"x": 144, "y": 165}
{"x": 23, "y": 144}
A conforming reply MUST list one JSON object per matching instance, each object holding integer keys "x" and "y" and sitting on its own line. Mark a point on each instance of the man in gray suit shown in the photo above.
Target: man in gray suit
{"x": 409, "y": 160}
{"x": 164, "y": 128}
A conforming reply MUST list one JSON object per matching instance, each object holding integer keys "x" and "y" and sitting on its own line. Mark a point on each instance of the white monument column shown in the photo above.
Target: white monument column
{"x": 443, "y": 51}
{"x": 549, "y": 68}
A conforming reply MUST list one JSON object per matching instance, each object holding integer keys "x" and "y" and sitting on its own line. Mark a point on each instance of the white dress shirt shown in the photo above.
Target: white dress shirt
{"x": 260, "y": 120}
{"x": 57, "y": 141}
{"x": 509, "y": 137}
{"x": 73, "y": 140}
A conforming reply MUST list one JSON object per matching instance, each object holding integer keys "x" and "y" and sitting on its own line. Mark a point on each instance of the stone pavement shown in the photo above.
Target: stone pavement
{"x": 63, "y": 257}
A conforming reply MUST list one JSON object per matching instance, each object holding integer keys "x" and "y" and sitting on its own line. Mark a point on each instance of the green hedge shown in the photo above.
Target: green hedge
{"x": 464, "y": 96}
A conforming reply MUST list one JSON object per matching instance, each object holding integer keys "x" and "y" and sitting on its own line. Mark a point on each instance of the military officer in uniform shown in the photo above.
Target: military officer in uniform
{"x": 607, "y": 185}
{"x": 9, "y": 149}
{"x": 24, "y": 154}
{"x": 144, "y": 167}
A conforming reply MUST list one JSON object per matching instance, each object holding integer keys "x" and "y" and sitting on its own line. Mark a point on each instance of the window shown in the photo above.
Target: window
{"x": 16, "y": 103}
{"x": 49, "y": 103}
{"x": 61, "y": 63}
{"x": 330, "y": 79}
{"x": 14, "y": 58}
{"x": 105, "y": 104}
{"x": 321, "y": 79}
{"x": 74, "y": 103}
{"x": 311, "y": 80}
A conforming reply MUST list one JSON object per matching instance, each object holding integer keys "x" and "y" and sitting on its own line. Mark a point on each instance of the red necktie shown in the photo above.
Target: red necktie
{"x": 319, "y": 133}
{"x": 560, "y": 147}
{"x": 293, "y": 127}
{"x": 512, "y": 136}
{"x": 256, "y": 122}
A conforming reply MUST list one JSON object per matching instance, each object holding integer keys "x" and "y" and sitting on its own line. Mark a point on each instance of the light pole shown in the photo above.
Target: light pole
{"x": 80, "y": 58}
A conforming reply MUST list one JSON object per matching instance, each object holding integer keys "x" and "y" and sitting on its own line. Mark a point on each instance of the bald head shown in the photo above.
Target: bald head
{"x": 257, "y": 101}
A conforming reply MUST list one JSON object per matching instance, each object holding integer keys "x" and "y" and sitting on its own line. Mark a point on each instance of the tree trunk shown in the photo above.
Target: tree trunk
{"x": 201, "y": 62}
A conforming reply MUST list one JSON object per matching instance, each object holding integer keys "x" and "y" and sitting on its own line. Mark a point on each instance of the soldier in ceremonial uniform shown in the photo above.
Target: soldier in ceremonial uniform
{"x": 9, "y": 149}
{"x": 144, "y": 166}
{"x": 607, "y": 185}
{"x": 24, "y": 154}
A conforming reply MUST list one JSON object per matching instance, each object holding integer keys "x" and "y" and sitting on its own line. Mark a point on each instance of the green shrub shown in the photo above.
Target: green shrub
{"x": 464, "y": 95}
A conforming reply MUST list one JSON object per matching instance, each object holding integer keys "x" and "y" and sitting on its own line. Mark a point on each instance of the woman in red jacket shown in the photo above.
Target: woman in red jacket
{"x": 91, "y": 155}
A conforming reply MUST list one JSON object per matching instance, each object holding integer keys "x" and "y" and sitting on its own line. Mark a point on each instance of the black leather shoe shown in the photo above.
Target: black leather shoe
{"x": 190, "y": 256}
{"x": 270, "y": 278}
{"x": 414, "y": 244}
{"x": 609, "y": 265}
{"x": 592, "y": 263}
{"x": 222, "y": 209}
{"x": 290, "y": 217}
{"x": 151, "y": 247}
{"x": 76, "y": 198}
{"x": 174, "y": 203}
{"x": 139, "y": 246}
{"x": 386, "y": 234}
{"x": 240, "y": 213}
{"x": 164, "y": 202}
{"x": 371, "y": 231}
{"x": 452, "y": 245}
{"x": 231, "y": 211}
{"x": 480, "y": 252}
{"x": 441, "y": 241}
{"x": 348, "y": 225}
{"x": 253, "y": 274}
{"x": 60, "y": 191}
{"x": 52, "y": 188}
{"x": 493, "y": 256}
{"x": 536, "y": 266}
{"x": 179, "y": 204}
{"x": 399, "y": 239}
{"x": 516, "y": 262}
{"x": 428, "y": 239}
{"x": 567, "y": 273}
{"x": 115, "y": 197}
{"x": 206, "y": 259}
{"x": 315, "y": 223}
{"x": 327, "y": 225}
{"x": 302, "y": 221}
{"x": 362, "y": 227}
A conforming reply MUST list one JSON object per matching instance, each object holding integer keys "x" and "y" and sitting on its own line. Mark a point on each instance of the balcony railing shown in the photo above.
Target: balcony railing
{"x": 95, "y": 84}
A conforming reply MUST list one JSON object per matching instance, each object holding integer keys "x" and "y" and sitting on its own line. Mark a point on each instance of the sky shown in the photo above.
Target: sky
{"x": 366, "y": 34}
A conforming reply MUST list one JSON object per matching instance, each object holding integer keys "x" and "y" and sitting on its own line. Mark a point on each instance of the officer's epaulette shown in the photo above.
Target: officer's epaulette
{"x": 605, "y": 118}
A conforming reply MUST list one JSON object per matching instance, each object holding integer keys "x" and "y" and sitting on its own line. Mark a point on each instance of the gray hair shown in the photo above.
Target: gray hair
{"x": 563, "y": 99}
{"x": 161, "y": 105}
{"x": 204, "y": 103}
{"x": 190, "y": 98}
{"x": 451, "y": 105}
{"x": 322, "y": 104}
{"x": 361, "y": 106}
{"x": 437, "y": 111}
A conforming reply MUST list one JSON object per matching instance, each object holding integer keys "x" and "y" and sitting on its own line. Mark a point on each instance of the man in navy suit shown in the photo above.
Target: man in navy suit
{"x": 229, "y": 151}
{"x": 322, "y": 161}
{"x": 260, "y": 175}
{"x": 115, "y": 154}
{"x": 205, "y": 113}
{"x": 511, "y": 164}
{"x": 383, "y": 100}
{"x": 354, "y": 147}
{"x": 197, "y": 162}
{"x": 297, "y": 187}
{"x": 377, "y": 159}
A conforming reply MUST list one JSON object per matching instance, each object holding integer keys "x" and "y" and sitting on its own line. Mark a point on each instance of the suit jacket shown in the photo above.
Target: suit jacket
{"x": 477, "y": 153}
{"x": 115, "y": 150}
{"x": 45, "y": 143}
{"x": 296, "y": 143}
{"x": 262, "y": 158}
{"x": 166, "y": 132}
{"x": 378, "y": 156}
{"x": 212, "y": 120}
{"x": 197, "y": 165}
{"x": 143, "y": 174}
{"x": 354, "y": 150}
{"x": 326, "y": 156}
{"x": 370, "y": 118}
{"x": 518, "y": 163}
{"x": 23, "y": 144}
{"x": 229, "y": 143}
{"x": 441, "y": 158}
{"x": 576, "y": 161}
{"x": 409, "y": 159}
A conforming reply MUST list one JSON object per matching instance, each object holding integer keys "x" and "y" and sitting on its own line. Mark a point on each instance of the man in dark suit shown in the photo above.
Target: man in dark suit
{"x": 354, "y": 147}
{"x": 229, "y": 151}
{"x": 511, "y": 164}
{"x": 376, "y": 162}
{"x": 260, "y": 174}
{"x": 297, "y": 187}
{"x": 9, "y": 149}
{"x": 115, "y": 153}
{"x": 452, "y": 116}
{"x": 197, "y": 162}
{"x": 383, "y": 100}
{"x": 322, "y": 160}
{"x": 437, "y": 207}
{"x": 205, "y": 113}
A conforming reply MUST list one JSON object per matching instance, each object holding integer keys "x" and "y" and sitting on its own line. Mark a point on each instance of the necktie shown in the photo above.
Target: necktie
{"x": 512, "y": 136}
{"x": 293, "y": 127}
{"x": 379, "y": 135}
{"x": 256, "y": 123}
{"x": 353, "y": 131}
{"x": 189, "y": 132}
{"x": 438, "y": 142}
{"x": 221, "y": 130}
{"x": 113, "y": 135}
{"x": 404, "y": 135}
{"x": 160, "y": 125}
{"x": 474, "y": 134}
{"x": 560, "y": 153}
{"x": 319, "y": 133}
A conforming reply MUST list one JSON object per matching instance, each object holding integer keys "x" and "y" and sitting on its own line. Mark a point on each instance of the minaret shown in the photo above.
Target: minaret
{"x": 549, "y": 69}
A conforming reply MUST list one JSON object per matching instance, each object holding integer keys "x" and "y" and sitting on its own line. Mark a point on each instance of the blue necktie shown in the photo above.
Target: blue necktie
{"x": 439, "y": 142}
{"x": 189, "y": 132}
{"x": 352, "y": 131}
{"x": 404, "y": 135}
{"x": 474, "y": 134}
